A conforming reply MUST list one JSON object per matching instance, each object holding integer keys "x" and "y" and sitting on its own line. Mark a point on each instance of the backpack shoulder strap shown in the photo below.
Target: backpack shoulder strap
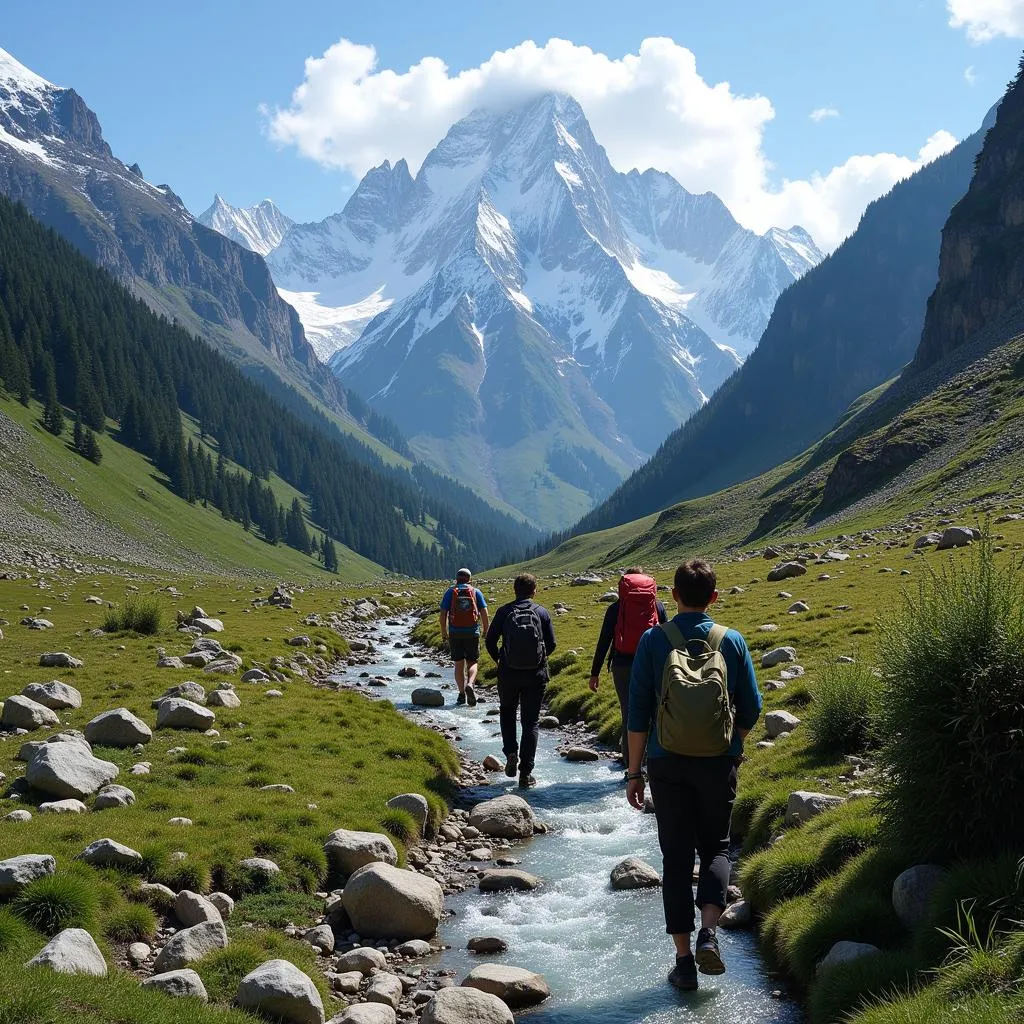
{"x": 716, "y": 636}
{"x": 675, "y": 635}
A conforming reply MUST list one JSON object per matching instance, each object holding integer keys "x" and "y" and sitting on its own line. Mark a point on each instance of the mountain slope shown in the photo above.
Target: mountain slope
{"x": 532, "y": 319}
{"x": 258, "y": 228}
{"x": 846, "y": 326}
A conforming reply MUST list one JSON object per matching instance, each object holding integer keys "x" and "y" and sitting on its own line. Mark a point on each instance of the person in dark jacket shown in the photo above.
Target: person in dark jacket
{"x": 521, "y": 688}
{"x": 620, "y": 663}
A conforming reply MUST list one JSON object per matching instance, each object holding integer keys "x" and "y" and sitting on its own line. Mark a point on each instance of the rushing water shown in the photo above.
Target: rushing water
{"x": 605, "y": 954}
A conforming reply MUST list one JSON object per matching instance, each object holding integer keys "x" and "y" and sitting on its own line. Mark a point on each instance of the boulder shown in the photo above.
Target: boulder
{"x": 118, "y": 728}
{"x": 581, "y": 754}
{"x": 364, "y": 959}
{"x": 927, "y": 540}
{"x": 59, "y": 659}
{"x": 585, "y": 580}
{"x": 365, "y": 1013}
{"x": 68, "y": 770}
{"x": 778, "y": 722}
{"x": 139, "y": 952}
{"x": 69, "y": 806}
{"x": 457, "y": 1005}
{"x": 786, "y": 570}
{"x": 223, "y": 902}
{"x": 260, "y": 866}
{"x": 113, "y": 796}
{"x": 514, "y": 986}
{"x": 224, "y": 699}
{"x": 777, "y": 656}
{"x": 736, "y": 915}
{"x": 549, "y": 722}
{"x": 487, "y": 945}
{"x": 176, "y": 713}
{"x": 414, "y": 948}
{"x": 187, "y": 691}
{"x": 17, "y": 872}
{"x": 54, "y": 695}
{"x": 507, "y": 817}
{"x": 169, "y": 661}
{"x": 387, "y": 902}
{"x": 425, "y": 697}
{"x": 492, "y": 764}
{"x": 184, "y": 983}
{"x": 347, "y": 851}
{"x": 255, "y": 675}
{"x": 797, "y": 607}
{"x": 844, "y": 951}
{"x": 507, "y": 880}
{"x": 18, "y": 815}
{"x": 191, "y": 944}
{"x": 802, "y": 806}
{"x": 279, "y": 990}
{"x": 108, "y": 853}
{"x": 299, "y": 641}
{"x": 208, "y": 625}
{"x": 633, "y": 873}
{"x": 321, "y": 938}
{"x": 912, "y": 893}
{"x": 190, "y": 908}
{"x": 71, "y": 951}
{"x": 24, "y": 713}
{"x": 384, "y": 988}
{"x": 956, "y": 537}
{"x": 415, "y": 804}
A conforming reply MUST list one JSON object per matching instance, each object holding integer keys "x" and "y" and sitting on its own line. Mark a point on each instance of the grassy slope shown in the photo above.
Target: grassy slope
{"x": 344, "y": 755}
{"x": 113, "y": 490}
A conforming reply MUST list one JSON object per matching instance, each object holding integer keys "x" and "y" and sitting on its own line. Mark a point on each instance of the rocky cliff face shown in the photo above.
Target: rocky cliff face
{"x": 981, "y": 263}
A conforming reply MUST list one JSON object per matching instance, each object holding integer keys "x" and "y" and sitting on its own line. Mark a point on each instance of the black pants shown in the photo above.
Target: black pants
{"x": 693, "y": 798}
{"x": 621, "y": 674}
{"x": 525, "y": 696}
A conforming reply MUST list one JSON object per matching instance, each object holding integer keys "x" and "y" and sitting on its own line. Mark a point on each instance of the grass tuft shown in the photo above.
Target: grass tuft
{"x": 141, "y": 615}
{"x": 59, "y": 901}
{"x": 844, "y": 716}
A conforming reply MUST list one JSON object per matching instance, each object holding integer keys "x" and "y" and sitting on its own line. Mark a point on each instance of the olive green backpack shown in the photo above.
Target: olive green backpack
{"x": 695, "y": 714}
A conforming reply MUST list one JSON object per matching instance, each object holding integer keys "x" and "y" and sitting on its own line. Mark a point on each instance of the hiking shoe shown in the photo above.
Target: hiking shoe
{"x": 471, "y": 696}
{"x": 684, "y": 975}
{"x": 709, "y": 957}
{"x": 527, "y": 781}
{"x": 461, "y": 699}
{"x": 512, "y": 765}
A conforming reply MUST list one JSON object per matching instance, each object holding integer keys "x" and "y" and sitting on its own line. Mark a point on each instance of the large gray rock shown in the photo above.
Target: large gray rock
{"x": 24, "y": 713}
{"x": 507, "y": 880}
{"x": 802, "y": 806}
{"x": 191, "y": 944}
{"x": 927, "y": 540}
{"x": 778, "y": 722}
{"x": 279, "y": 990}
{"x": 364, "y": 959}
{"x": 184, "y": 983}
{"x": 17, "y": 872}
{"x": 778, "y": 656}
{"x": 190, "y": 908}
{"x": 113, "y": 796}
{"x": 844, "y": 951}
{"x": 68, "y": 806}
{"x": 224, "y": 699}
{"x": 365, "y": 1013}
{"x": 59, "y": 659}
{"x": 386, "y": 902}
{"x": 956, "y": 537}
{"x": 69, "y": 771}
{"x": 186, "y": 691}
{"x": 736, "y": 915}
{"x": 457, "y": 1005}
{"x": 321, "y": 937}
{"x": 54, "y": 695}
{"x": 415, "y": 804}
{"x": 107, "y": 853}
{"x": 633, "y": 873}
{"x": 260, "y": 866}
{"x": 912, "y": 893}
{"x": 426, "y": 697}
{"x": 117, "y": 728}
{"x": 384, "y": 988}
{"x": 348, "y": 851}
{"x": 507, "y": 817}
{"x": 177, "y": 713}
{"x": 514, "y": 986}
{"x": 785, "y": 571}
{"x": 71, "y": 951}
{"x": 223, "y": 902}
{"x": 208, "y": 625}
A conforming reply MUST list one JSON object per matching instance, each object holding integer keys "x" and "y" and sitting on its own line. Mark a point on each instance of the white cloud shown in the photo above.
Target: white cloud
{"x": 820, "y": 113}
{"x": 986, "y": 19}
{"x": 970, "y": 76}
{"x": 649, "y": 109}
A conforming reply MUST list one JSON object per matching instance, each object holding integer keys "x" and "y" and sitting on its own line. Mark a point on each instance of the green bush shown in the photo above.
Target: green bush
{"x": 844, "y": 716}
{"x": 141, "y": 615}
{"x": 59, "y": 901}
{"x": 953, "y": 710}
{"x": 130, "y": 922}
{"x": 840, "y": 991}
{"x": 401, "y": 825}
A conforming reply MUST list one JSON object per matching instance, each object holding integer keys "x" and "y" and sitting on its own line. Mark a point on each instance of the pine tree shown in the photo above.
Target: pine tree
{"x": 330, "y": 556}
{"x": 91, "y": 447}
{"x": 78, "y": 435}
{"x": 53, "y": 415}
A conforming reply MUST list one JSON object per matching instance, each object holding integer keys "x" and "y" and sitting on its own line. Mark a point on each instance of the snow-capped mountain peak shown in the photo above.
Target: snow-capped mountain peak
{"x": 259, "y": 228}
{"x": 16, "y": 77}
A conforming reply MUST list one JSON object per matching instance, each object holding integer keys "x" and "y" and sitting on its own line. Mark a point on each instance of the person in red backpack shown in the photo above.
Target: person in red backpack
{"x": 463, "y": 609}
{"x": 625, "y": 621}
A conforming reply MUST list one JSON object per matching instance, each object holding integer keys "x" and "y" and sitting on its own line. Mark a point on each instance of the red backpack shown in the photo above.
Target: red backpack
{"x": 638, "y": 611}
{"x": 463, "y": 613}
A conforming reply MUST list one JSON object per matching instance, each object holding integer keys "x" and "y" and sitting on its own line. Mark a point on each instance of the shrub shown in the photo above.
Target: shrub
{"x": 56, "y": 902}
{"x": 401, "y": 825}
{"x": 137, "y": 615}
{"x": 840, "y": 991}
{"x": 844, "y": 716}
{"x": 953, "y": 710}
{"x": 130, "y": 922}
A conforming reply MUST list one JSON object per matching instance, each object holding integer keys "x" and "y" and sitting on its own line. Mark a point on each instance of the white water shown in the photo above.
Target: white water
{"x": 605, "y": 954}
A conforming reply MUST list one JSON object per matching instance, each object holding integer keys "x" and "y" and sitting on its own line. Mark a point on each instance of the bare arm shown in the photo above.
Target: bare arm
{"x": 485, "y": 620}
{"x": 635, "y": 786}
{"x": 444, "y": 624}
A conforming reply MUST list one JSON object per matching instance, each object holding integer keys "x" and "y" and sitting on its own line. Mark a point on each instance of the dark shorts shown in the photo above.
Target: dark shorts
{"x": 464, "y": 648}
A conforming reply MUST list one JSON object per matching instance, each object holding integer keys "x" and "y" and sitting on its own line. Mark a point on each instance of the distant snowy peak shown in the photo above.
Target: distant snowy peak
{"x": 796, "y": 247}
{"x": 18, "y": 78}
{"x": 259, "y": 228}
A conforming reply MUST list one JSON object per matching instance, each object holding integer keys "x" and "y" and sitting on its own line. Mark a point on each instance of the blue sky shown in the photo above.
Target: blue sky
{"x": 179, "y": 87}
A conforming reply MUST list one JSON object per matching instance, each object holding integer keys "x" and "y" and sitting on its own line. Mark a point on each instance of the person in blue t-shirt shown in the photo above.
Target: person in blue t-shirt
{"x": 693, "y": 796}
{"x": 463, "y": 609}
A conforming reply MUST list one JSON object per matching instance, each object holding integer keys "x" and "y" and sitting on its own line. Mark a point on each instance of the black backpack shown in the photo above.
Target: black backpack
{"x": 523, "y": 638}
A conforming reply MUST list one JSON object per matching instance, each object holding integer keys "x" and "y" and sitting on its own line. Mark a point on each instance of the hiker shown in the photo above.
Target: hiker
{"x": 693, "y": 735}
{"x": 625, "y": 621}
{"x": 463, "y": 608}
{"x": 527, "y": 640}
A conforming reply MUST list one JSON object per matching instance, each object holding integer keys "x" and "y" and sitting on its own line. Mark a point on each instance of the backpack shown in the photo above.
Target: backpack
{"x": 695, "y": 714}
{"x": 522, "y": 638}
{"x": 463, "y": 613}
{"x": 638, "y": 611}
